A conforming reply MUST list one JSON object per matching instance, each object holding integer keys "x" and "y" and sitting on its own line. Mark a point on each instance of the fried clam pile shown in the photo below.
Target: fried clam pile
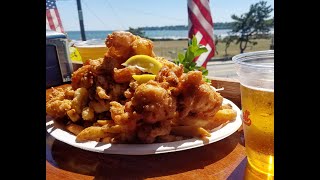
{"x": 104, "y": 102}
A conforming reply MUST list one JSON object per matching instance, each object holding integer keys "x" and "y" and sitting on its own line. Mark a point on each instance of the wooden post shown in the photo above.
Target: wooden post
{"x": 83, "y": 35}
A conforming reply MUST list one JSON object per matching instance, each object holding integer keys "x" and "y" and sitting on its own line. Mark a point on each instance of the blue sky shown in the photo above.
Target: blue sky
{"x": 122, "y": 14}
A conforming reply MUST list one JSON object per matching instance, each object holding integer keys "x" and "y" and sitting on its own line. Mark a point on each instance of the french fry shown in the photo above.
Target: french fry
{"x": 190, "y": 131}
{"x": 91, "y": 133}
{"x": 104, "y": 122}
{"x": 112, "y": 129}
{"x": 74, "y": 128}
{"x": 224, "y": 115}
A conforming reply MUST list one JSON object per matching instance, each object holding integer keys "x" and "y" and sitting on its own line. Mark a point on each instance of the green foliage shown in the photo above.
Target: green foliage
{"x": 251, "y": 23}
{"x": 270, "y": 22}
{"x": 137, "y": 32}
{"x": 228, "y": 40}
{"x": 194, "y": 50}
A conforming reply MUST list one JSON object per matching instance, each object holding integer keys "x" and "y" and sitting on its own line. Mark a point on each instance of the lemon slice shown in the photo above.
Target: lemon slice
{"x": 143, "y": 78}
{"x": 144, "y": 63}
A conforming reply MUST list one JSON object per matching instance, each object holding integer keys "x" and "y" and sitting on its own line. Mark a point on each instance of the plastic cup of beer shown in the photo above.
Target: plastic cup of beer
{"x": 256, "y": 75}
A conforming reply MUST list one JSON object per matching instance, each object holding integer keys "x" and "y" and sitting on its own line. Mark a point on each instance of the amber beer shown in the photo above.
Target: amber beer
{"x": 258, "y": 124}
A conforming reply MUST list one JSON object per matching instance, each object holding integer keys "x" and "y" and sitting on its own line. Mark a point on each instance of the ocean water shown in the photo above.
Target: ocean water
{"x": 98, "y": 37}
{"x": 155, "y": 34}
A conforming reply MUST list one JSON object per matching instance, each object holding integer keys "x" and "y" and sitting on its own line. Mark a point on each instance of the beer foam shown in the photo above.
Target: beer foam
{"x": 267, "y": 89}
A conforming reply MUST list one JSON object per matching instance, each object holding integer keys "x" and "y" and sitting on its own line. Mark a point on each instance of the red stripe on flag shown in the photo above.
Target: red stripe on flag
{"x": 195, "y": 23}
{"x": 204, "y": 11}
{"x": 50, "y": 20}
{"x": 200, "y": 22}
{"x": 59, "y": 20}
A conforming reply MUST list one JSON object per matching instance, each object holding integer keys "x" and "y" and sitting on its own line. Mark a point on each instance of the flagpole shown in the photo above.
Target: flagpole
{"x": 83, "y": 35}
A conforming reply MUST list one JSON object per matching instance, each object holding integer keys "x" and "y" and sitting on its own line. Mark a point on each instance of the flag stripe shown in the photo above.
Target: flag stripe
{"x": 196, "y": 23}
{"x": 205, "y": 4}
{"x": 201, "y": 26}
{"x": 52, "y": 16}
{"x": 204, "y": 23}
{"x": 59, "y": 20}
{"x": 47, "y": 23}
{"x": 204, "y": 11}
{"x": 55, "y": 20}
{"x": 49, "y": 17}
{"x": 203, "y": 57}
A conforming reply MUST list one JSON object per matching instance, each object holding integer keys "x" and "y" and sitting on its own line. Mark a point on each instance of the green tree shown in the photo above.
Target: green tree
{"x": 217, "y": 39}
{"x": 228, "y": 40}
{"x": 137, "y": 31}
{"x": 251, "y": 23}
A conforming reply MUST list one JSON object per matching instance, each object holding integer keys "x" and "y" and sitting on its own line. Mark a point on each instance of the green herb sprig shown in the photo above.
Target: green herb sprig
{"x": 194, "y": 50}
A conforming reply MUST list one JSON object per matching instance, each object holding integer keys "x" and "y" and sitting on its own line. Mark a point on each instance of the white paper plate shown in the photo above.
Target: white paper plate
{"x": 143, "y": 149}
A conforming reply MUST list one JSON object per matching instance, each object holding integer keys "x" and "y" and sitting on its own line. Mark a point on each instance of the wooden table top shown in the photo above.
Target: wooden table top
{"x": 224, "y": 159}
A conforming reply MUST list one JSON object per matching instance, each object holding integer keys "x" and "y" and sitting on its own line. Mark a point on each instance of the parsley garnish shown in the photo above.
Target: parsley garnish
{"x": 194, "y": 50}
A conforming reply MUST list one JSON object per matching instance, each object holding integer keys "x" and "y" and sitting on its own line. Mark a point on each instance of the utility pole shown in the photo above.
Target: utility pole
{"x": 83, "y": 35}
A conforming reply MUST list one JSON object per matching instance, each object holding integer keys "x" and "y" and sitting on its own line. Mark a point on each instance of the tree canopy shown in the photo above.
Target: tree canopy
{"x": 251, "y": 23}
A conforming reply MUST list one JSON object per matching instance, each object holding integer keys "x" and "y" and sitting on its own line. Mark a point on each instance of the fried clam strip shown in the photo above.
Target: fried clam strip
{"x": 169, "y": 73}
{"x": 59, "y": 102}
{"x": 102, "y": 93}
{"x": 77, "y": 104}
{"x": 125, "y": 120}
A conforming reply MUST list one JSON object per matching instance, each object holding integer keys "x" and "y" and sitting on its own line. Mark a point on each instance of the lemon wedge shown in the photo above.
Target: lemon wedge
{"x": 143, "y": 78}
{"x": 144, "y": 63}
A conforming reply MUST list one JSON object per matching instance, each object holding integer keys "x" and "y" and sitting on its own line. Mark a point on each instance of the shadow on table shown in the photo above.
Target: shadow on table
{"x": 112, "y": 166}
{"x": 238, "y": 173}
{"x": 245, "y": 172}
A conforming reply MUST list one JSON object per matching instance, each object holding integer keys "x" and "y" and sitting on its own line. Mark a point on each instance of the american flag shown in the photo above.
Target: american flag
{"x": 53, "y": 20}
{"x": 201, "y": 26}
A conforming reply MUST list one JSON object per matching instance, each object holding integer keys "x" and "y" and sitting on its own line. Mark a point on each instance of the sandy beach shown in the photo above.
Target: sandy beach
{"x": 170, "y": 49}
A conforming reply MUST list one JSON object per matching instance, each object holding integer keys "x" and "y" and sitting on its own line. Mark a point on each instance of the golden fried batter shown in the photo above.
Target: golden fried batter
{"x": 82, "y": 77}
{"x": 143, "y": 46}
{"x": 154, "y": 102}
{"x": 119, "y": 45}
{"x": 59, "y": 102}
{"x": 124, "y": 75}
{"x": 106, "y": 104}
{"x": 197, "y": 97}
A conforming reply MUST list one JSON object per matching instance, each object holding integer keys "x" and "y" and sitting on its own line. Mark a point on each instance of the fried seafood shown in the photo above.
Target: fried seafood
{"x": 124, "y": 75}
{"x": 119, "y": 45}
{"x": 169, "y": 73}
{"x": 148, "y": 133}
{"x": 154, "y": 102}
{"x": 105, "y": 103}
{"x": 143, "y": 46}
{"x": 123, "y": 45}
{"x": 59, "y": 102}
{"x": 83, "y": 77}
{"x": 197, "y": 98}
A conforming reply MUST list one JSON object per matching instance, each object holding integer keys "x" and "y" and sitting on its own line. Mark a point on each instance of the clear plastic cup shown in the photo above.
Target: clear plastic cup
{"x": 256, "y": 76}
